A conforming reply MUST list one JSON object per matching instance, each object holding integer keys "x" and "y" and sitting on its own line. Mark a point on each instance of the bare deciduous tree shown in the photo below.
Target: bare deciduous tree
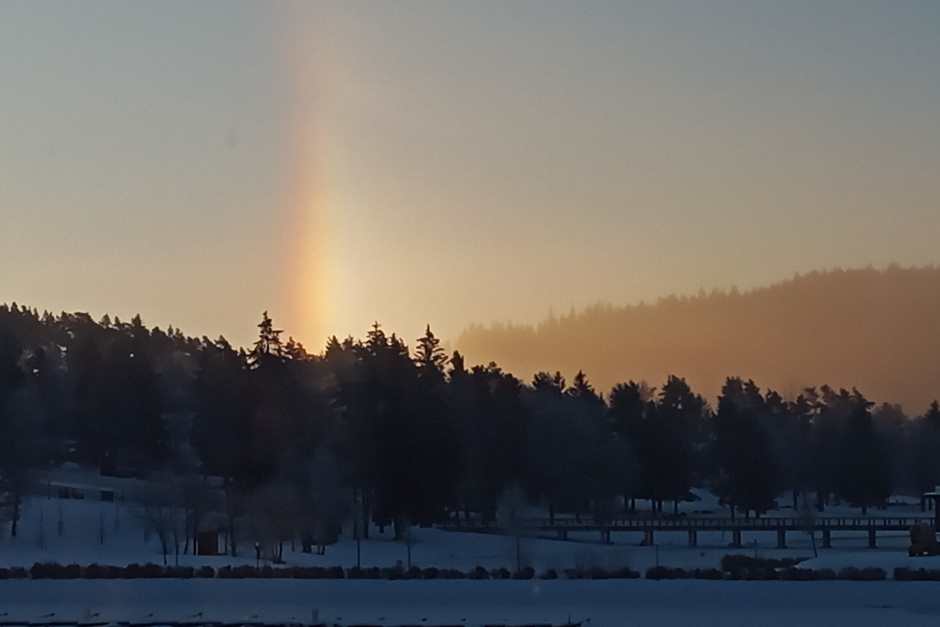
{"x": 509, "y": 515}
{"x": 157, "y": 507}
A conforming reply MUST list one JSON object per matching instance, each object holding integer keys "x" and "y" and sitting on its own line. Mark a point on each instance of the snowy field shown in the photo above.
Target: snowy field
{"x": 623, "y": 602}
{"x": 604, "y": 603}
{"x": 82, "y": 522}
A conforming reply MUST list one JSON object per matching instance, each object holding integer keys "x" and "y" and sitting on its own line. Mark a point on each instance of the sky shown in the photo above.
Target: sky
{"x": 443, "y": 163}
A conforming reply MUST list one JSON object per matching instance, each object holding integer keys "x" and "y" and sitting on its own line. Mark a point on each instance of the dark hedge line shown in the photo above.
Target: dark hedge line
{"x": 14, "y": 573}
{"x": 790, "y": 573}
{"x": 916, "y": 574}
{"x": 52, "y": 570}
{"x": 756, "y": 570}
{"x": 732, "y": 563}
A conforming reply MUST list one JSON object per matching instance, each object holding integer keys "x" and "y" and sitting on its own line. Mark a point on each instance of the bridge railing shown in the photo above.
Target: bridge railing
{"x": 770, "y": 523}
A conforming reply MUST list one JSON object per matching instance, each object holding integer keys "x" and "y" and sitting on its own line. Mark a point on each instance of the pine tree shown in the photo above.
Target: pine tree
{"x": 926, "y": 442}
{"x": 676, "y": 426}
{"x": 430, "y": 358}
{"x": 268, "y": 343}
{"x": 582, "y": 390}
{"x": 457, "y": 367}
{"x": 933, "y": 415}
{"x": 545, "y": 382}
{"x": 864, "y": 472}
{"x": 748, "y": 477}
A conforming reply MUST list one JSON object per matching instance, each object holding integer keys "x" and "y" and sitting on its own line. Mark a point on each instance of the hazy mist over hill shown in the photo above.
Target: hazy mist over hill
{"x": 876, "y": 329}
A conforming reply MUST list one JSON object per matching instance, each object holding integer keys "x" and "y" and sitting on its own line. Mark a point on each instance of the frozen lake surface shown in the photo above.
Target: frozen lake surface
{"x": 605, "y": 603}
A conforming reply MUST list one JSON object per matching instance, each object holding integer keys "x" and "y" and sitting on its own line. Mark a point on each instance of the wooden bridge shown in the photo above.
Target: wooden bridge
{"x": 692, "y": 525}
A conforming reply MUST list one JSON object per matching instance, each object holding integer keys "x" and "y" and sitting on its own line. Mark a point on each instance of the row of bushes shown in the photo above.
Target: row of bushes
{"x": 756, "y": 570}
{"x": 916, "y": 574}
{"x": 790, "y": 573}
{"x": 737, "y": 563}
{"x": 51, "y": 570}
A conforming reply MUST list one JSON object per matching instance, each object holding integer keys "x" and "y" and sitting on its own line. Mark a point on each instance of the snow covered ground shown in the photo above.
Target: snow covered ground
{"x": 622, "y": 602}
{"x": 124, "y": 542}
{"x": 605, "y": 603}
{"x": 82, "y": 522}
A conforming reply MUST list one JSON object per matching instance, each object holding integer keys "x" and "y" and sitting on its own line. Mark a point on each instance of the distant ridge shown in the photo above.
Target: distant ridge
{"x": 875, "y": 329}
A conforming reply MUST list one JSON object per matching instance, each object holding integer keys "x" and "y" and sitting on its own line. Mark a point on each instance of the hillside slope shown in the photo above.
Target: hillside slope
{"x": 878, "y": 330}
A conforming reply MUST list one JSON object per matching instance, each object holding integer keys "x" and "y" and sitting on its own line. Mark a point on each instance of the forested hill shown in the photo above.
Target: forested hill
{"x": 878, "y": 330}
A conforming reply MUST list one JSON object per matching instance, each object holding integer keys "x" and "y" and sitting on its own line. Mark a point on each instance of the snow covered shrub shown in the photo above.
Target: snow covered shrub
{"x": 451, "y": 573}
{"x": 178, "y": 572}
{"x": 797, "y": 574}
{"x": 225, "y": 572}
{"x": 430, "y": 573}
{"x": 499, "y": 573}
{"x": 551, "y": 573}
{"x": 43, "y": 570}
{"x": 760, "y": 574}
{"x": 601, "y": 573}
{"x": 152, "y": 571}
{"x": 664, "y": 572}
{"x": 132, "y": 571}
{"x": 738, "y": 564}
{"x": 205, "y": 572}
{"x": 916, "y": 574}
{"x": 524, "y": 573}
{"x": 95, "y": 571}
{"x": 245, "y": 572}
{"x": 624, "y": 573}
{"x": 479, "y": 573}
{"x": 364, "y": 573}
{"x": 862, "y": 574}
{"x": 713, "y": 574}
{"x": 146, "y": 571}
{"x": 312, "y": 572}
{"x": 52, "y": 570}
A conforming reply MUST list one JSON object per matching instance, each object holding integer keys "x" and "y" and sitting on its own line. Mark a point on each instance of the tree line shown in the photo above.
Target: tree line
{"x": 373, "y": 431}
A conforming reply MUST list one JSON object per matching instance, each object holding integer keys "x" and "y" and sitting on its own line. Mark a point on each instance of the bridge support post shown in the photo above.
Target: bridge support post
{"x": 872, "y": 540}
{"x": 736, "y": 538}
{"x": 693, "y": 537}
{"x": 562, "y": 534}
{"x": 827, "y": 539}
{"x": 648, "y": 537}
{"x": 781, "y": 538}
{"x": 605, "y": 536}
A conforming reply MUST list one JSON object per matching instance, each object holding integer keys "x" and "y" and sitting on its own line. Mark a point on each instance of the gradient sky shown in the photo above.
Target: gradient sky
{"x": 338, "y": 163}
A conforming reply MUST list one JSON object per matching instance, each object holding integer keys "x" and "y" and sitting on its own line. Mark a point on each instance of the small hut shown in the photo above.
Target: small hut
{"x": 211, "y": 527}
